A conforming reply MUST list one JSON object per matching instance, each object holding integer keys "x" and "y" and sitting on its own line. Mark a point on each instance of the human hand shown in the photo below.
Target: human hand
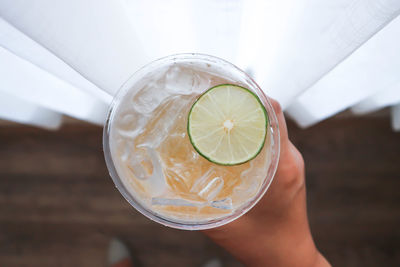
{"x": 276, "y": 231}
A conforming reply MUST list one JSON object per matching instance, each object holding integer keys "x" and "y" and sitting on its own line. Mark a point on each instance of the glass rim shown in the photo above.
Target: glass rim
{"x": 176, "y": 223}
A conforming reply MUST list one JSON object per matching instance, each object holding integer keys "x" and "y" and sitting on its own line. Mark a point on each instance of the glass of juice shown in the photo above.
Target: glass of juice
{"x": 191, "y": 141}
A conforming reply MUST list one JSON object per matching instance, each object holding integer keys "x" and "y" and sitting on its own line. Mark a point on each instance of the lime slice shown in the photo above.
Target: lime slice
{"x": 227, "y": 125}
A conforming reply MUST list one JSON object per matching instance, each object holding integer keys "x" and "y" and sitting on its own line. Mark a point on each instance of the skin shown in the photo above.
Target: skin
{"x": 276, "y": 231}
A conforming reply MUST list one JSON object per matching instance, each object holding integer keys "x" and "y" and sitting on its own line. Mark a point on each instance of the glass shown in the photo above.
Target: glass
{"x": 152, "y": 161}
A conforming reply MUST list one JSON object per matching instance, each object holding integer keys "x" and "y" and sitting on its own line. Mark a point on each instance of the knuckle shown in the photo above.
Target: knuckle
{"x": 293, "y": 171}
{"x": 299, "y": 161}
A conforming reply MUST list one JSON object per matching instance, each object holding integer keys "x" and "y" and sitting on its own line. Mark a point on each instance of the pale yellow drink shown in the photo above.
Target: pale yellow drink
{"x": 155, "y": 160}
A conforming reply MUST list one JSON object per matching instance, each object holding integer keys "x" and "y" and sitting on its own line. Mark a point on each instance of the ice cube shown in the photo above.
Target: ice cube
{"x": 225, "y": 204}
{"x": 131, "y": 124}
{"x": 156, "y": 180}
{"x": 159, "y": 127}
{"x": 150, "y": 97}
{"x": 175, "y": 202}
{"x": 123, "y": 148}
{"x": 248, "y": 188}
{"x": 176, "y": 182}
{"x": 182, "y": 80}
{"x": 208, "y": 186}
{"x": 139, "y": 164}
{"x": 145, "y": 165}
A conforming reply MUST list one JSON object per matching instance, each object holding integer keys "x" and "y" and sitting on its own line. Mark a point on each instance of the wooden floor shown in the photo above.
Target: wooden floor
{"x": 58, "y": 206}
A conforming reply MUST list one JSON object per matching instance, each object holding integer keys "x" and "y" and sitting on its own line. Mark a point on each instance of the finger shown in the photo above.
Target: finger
{"x": 291, "y": 163}
{"x": 283, "y": 133}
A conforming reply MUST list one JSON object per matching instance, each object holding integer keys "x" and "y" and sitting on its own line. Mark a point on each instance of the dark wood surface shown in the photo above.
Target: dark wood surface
{"x": 58, "y": 206}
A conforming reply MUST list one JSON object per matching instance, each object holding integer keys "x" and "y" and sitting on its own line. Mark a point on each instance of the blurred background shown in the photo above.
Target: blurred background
{"x": 333, "y": 65}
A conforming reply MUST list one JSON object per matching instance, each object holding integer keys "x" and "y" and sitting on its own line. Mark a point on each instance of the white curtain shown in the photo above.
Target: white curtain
{"x": 316, "y": 57}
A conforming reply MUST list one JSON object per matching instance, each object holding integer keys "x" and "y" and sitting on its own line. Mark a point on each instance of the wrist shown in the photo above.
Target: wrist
{"x": 286, "y": 246}
{"x": 283, "y": 241}
{"x": 284, "y": 252}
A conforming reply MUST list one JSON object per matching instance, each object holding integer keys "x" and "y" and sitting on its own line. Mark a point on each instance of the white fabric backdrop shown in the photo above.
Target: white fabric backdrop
{"x": 372, "y": 68}
{"x": 15, "y": 109}
{"x": 317, "y": 57}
